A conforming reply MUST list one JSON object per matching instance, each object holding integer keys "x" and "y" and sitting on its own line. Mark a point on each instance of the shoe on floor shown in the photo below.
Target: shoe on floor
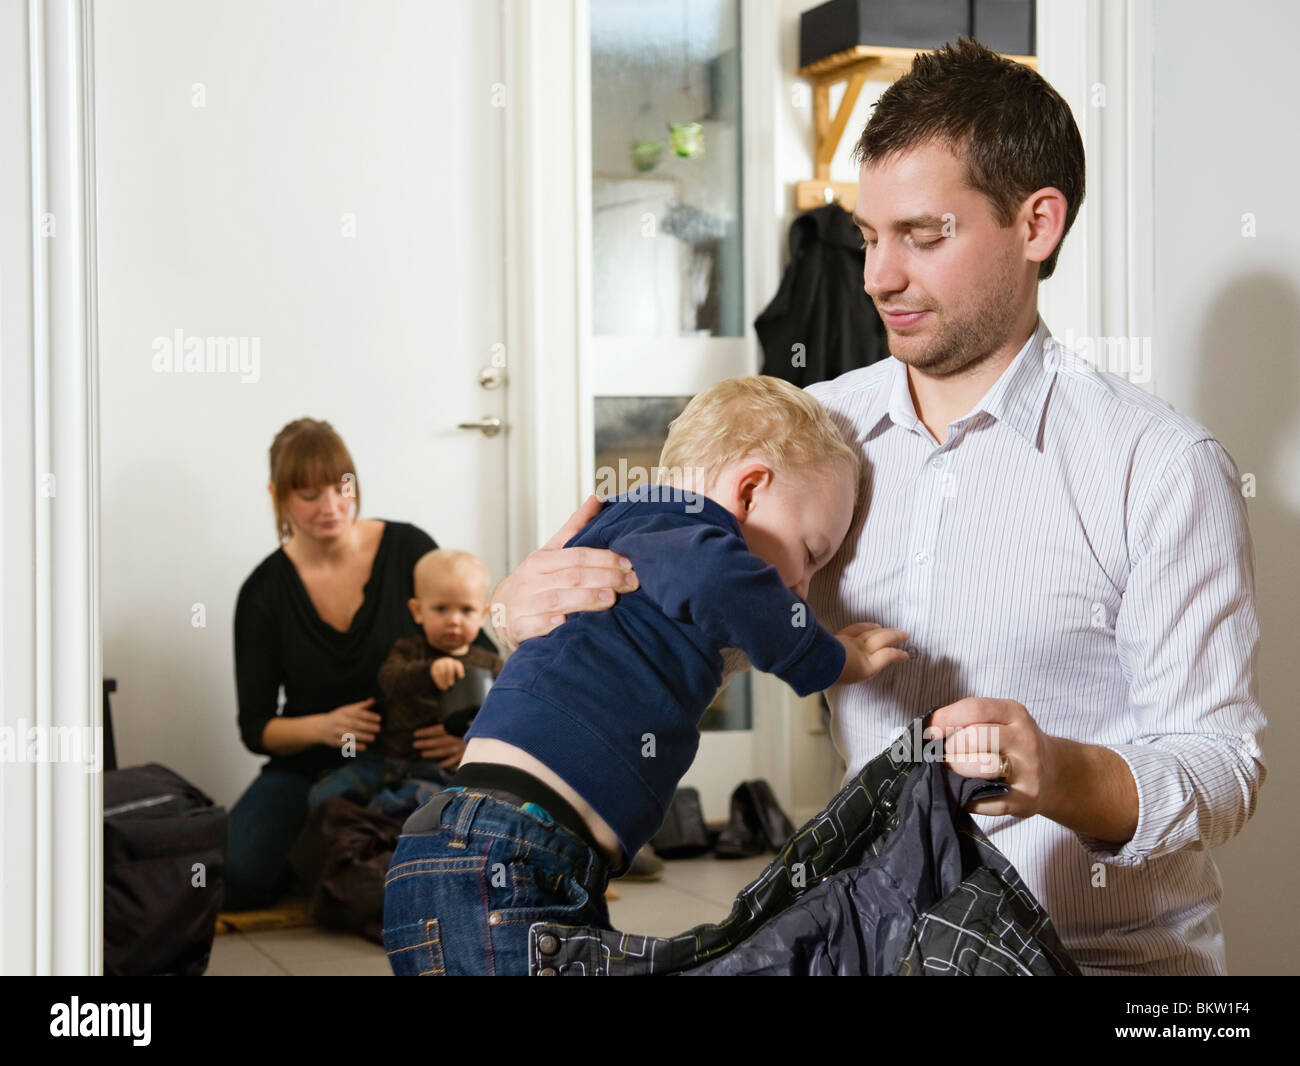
{"x": 645, "y": 866}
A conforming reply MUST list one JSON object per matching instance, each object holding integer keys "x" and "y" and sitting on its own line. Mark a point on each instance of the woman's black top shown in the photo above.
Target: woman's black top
{"x": 280, "y": 640}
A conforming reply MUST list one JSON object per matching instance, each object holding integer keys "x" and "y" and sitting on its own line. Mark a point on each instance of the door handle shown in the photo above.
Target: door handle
{"x": 488, "y": 425}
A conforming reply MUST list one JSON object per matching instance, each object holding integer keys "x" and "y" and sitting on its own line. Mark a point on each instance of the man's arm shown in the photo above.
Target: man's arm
{"x": 1084, "y": 787}
{"x": 1188, "y": 637}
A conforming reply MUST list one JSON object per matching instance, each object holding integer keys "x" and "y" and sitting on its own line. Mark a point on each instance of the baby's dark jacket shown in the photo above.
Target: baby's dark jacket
{"x": 411, "y": 697}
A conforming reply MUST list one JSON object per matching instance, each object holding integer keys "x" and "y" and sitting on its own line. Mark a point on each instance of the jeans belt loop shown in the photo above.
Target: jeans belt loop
{"x": 459, "y": 834}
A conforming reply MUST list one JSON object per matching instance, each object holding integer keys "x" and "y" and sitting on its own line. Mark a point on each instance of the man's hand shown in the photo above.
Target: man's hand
{"x": 445, "y": 671}
{"x": 554, "y": 581}
{"x": 435, "y": 743}
{"x": 1084, "y": 787}
{"x": 868, "y": 649}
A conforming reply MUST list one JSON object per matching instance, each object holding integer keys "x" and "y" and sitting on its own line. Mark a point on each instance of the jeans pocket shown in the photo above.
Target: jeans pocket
{"x": 435, "y": 914}
{"x": 415, "y": 950}
{"x": 538, "y": 885}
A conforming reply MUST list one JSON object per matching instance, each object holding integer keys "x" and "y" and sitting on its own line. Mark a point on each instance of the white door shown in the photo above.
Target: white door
{"x": 322, "y": 182}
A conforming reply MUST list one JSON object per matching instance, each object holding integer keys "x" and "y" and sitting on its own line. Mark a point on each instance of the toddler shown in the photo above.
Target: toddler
{"x": 449, "y": 605}
{"x": 576, "y": 752}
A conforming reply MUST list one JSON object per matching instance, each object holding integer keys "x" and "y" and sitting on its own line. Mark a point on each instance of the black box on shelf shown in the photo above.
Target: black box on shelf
{"x": 1005, "y": 26}
{"x": 842, "y": 24}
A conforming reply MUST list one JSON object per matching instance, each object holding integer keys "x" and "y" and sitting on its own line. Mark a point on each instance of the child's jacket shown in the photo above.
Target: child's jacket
{"x": 611, "y": 700}
{"x": 893, "y": 877}
{"x": 412, "y": 700}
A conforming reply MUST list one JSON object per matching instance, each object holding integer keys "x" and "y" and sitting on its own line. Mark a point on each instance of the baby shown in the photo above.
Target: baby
{"x": 576, "y": 752}
{"x": 449, "y": 605}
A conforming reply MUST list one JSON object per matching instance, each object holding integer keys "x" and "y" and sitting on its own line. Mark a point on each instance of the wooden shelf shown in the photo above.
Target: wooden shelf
{"x": 857, "y": 66}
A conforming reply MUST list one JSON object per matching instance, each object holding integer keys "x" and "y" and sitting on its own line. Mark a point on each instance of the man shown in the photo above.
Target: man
{"x": 1069, "y": 555}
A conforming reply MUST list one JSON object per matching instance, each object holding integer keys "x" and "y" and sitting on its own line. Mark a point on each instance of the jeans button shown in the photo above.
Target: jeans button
{"x": 494, "y": 918}
{"x": 548, "y": 944}
{"x": 548, "y": 971}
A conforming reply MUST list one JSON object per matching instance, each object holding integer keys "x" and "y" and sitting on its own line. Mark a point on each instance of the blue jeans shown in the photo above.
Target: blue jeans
{"x": 365, "y": 776}
{"x": 459, "y": 898}
{"x": 264, "y": 823}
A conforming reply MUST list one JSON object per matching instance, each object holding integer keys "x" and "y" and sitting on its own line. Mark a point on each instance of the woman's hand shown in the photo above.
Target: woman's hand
{"x": 554, "y": 581}
{"x": 434, "y": 742}
{"x": 355, "y": 719}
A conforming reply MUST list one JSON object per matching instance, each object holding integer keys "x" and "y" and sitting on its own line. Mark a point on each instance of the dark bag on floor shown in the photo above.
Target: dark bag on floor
{"x": 683, "y": 834}
{"x": 343, "y": 853}
{"x": 757, "y": 822}
{"x": 164, "y": 873}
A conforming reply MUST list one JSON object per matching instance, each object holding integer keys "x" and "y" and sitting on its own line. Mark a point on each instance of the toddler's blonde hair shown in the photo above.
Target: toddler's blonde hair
{"x": 759, "y": 416}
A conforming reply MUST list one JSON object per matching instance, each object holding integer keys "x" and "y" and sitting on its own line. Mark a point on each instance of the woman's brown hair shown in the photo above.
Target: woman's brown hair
{"x": 307, "y": 454}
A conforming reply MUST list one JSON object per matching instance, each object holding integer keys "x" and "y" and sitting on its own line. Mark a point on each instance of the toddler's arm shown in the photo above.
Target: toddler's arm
{"x": 704, "y": 574}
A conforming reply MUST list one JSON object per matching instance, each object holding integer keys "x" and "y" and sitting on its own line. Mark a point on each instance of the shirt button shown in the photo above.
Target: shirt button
{"x": 937, "y": 462}
{"x": 548, "y": 944}
{"x": 921, "y": 558}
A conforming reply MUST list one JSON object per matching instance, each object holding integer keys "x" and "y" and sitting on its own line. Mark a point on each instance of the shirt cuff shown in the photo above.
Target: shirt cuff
{"x": 1166, "y": 806}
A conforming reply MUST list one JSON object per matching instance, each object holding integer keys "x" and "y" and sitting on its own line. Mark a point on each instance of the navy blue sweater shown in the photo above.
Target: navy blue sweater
{"x": 611, "y": 700}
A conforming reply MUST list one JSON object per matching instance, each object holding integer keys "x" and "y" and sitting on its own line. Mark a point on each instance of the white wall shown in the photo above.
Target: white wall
{"x": 1225, "y": 351}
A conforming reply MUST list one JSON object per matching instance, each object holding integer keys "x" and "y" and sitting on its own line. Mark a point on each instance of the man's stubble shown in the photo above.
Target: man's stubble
{"x": 967, "y": 337}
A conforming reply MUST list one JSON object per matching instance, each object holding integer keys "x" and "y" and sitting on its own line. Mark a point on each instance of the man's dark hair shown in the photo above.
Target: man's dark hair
{"x": 1013, "y": 130}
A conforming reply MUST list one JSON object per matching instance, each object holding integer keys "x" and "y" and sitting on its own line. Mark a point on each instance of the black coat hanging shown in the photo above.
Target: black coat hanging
{"x": 821, "y": 304}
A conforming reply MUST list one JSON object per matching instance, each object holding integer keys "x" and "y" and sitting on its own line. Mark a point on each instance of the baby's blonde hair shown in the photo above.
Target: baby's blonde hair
{"x": 448, "y": 560}
{"x": 758, "y": 416}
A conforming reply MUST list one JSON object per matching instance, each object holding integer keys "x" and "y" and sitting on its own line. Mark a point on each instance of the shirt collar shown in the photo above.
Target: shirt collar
{"x": 1016, "y": 398}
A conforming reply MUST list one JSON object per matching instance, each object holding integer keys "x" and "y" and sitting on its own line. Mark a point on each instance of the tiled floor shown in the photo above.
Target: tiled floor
{"x": 692, "y": 891}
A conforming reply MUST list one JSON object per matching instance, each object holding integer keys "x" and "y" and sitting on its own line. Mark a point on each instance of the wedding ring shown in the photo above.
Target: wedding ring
{"x": 1004, "y": 768}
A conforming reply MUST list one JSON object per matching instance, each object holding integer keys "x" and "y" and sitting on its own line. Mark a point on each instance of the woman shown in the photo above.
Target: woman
{"x": 317, "y": 617}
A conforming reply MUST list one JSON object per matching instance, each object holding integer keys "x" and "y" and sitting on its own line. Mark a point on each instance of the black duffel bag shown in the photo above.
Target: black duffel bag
{"x": 164, "y": 864}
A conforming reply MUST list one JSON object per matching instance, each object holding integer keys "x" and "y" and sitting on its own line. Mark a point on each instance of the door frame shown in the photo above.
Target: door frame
{"x": 51, "y": 897}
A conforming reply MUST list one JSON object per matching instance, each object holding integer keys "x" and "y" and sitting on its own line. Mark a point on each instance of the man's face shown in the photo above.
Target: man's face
{"x": 933, "y": 246}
